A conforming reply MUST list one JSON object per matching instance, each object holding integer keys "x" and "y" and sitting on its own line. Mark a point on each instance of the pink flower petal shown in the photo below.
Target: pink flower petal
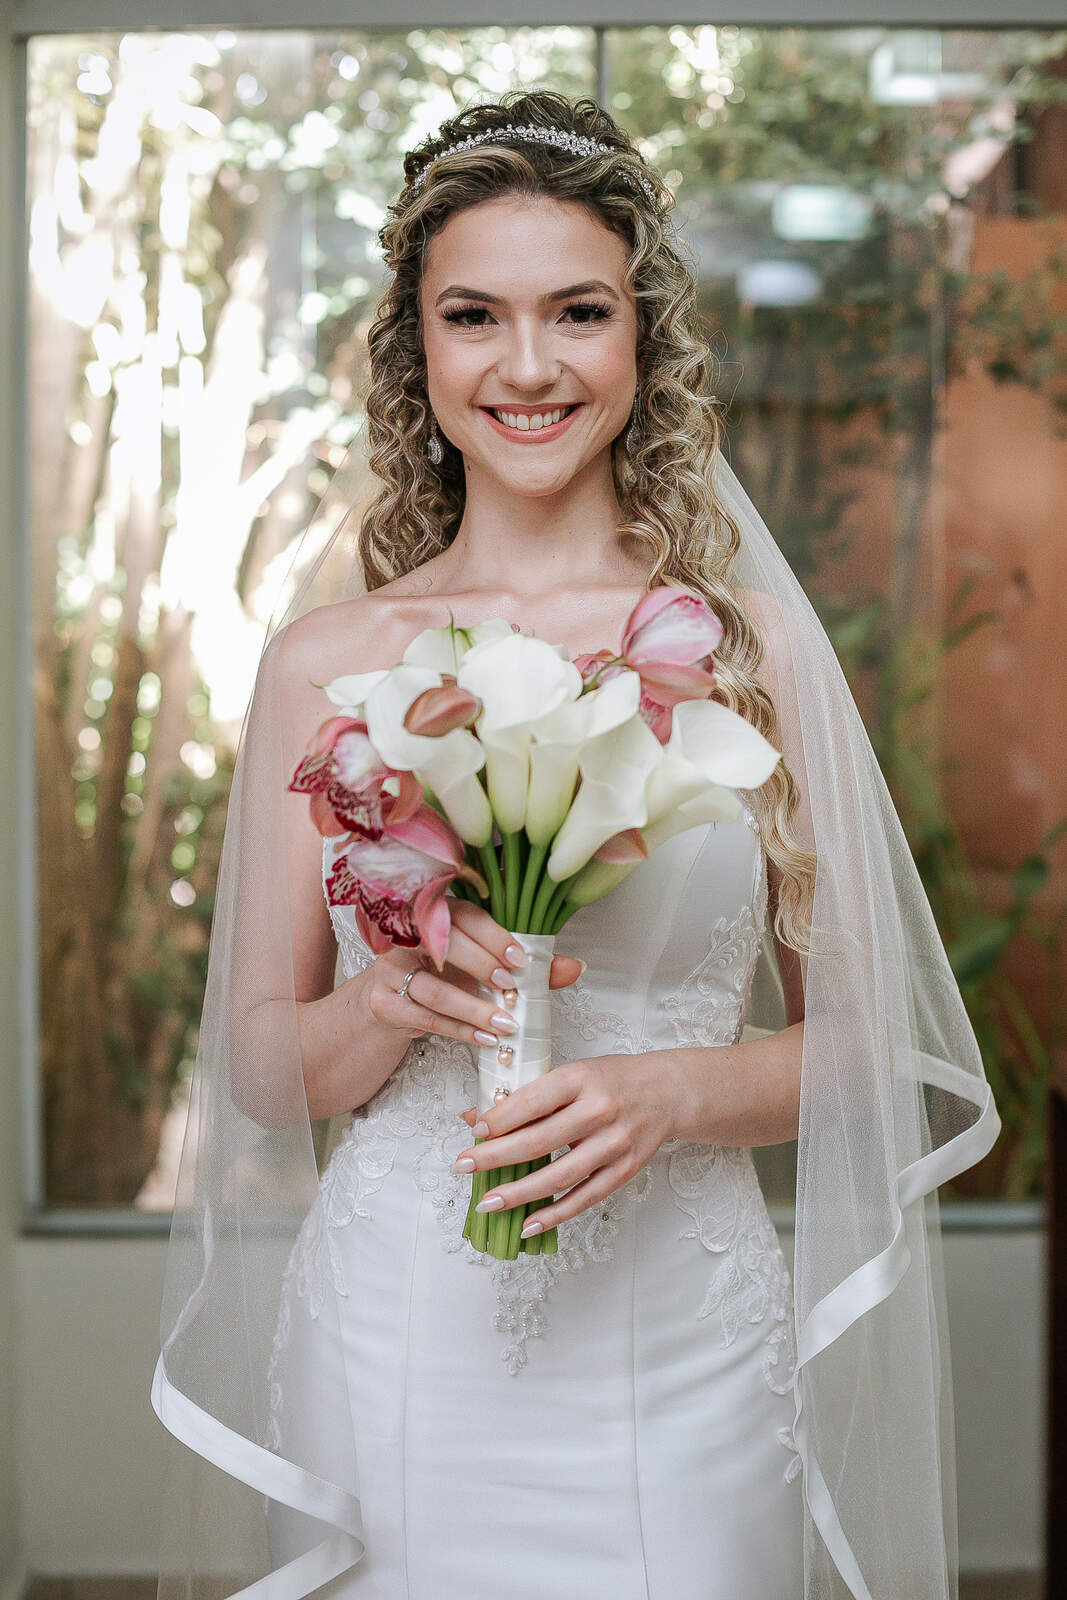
{"x": 669, "y": 683}
{"x": 432, "y": 918}
{"x": 325, "y": 817}
{"x": 623, "y": 849}
{"x": 429, "y": 832}
{"x": 407, "y": 800}
{"x": 650, "y": 605}
{"x": 590, "y": 664}
{"x": 657, "y": 716}
{"x": 442, "y": 709}
{"x": 679, "y": 629}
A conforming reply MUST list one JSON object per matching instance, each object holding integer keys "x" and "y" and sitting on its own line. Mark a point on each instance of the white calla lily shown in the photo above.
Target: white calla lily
{"x": 447, "y": 765}
{"x": 714, "y": 804}
{"x": 519, "y": 681}
{"x": 444, "y": 648}
{"x": 350, "y": 692}
{"x": 558, "y": 740}
{"x": 725, "y": 747}
{"x": 711, "y": 752}
{"x": 615, "y": 772}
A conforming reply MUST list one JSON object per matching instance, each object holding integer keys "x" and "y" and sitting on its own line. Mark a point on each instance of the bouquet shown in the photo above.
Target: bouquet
{"x": 488, "y": 764}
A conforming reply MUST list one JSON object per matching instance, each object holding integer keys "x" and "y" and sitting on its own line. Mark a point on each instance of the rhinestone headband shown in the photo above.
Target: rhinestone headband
{"x": 576, "y": 144}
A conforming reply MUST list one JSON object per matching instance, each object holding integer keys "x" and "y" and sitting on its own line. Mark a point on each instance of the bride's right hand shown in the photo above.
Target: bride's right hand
{"x": 479, "y": 950}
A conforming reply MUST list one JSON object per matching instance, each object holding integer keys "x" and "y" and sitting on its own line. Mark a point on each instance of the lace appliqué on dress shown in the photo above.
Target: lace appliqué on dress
{"x": 421, "y": 1101}
{"x": 573, "y": 1007}
{"x": 522, "y": 1286}
{"x": 718, "y": 1189}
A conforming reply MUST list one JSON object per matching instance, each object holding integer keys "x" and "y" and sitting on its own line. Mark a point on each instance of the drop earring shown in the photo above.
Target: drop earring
{"x": 433, "y": 446}
{"x": 632, "y": 432}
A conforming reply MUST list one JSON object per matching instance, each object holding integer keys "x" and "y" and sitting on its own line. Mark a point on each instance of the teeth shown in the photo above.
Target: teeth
{"x": 526, "y": 423}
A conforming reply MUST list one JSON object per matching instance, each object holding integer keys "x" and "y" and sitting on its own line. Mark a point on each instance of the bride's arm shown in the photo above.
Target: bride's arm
{"x": 294, "y": 1039}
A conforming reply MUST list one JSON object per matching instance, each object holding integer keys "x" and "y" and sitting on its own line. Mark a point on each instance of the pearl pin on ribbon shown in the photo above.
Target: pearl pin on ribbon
{"x": 525, "y": 1055}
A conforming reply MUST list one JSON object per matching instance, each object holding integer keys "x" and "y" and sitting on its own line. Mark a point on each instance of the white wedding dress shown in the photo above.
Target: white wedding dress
{"x": 613, "y": 1422}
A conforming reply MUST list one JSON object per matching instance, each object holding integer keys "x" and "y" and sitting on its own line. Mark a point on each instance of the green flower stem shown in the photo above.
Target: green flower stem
{"x": 530, "y": 880}
{"x": 468, "y": 1221}
{"x": 478, "y": 1220}
{"x": 516, "y": 1216}
{"x": 500, "y": 1221}
{"x": 558, "y": 897}
{"x": 545, "y": 890}
{"x": 491, "y": 872}
{"x": 566, "y": 911}
{"x": 535, "y": 1244}
{"x": 512, "y": 876}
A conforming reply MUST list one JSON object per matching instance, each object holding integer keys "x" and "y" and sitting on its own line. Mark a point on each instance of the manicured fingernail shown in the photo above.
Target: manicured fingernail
{"x": 485, "y": 1038}
{"x": 464, "y": 1164}
{"x": 480, "y": 1130}
{"x": 492, "y": 1202}
{"x": 500, "y": 979}
{"x": 516, "y": 955}
{"x": 503, "y": 1022}
{"x": 581, "y": 966}
{"x": 530, "y": 1228}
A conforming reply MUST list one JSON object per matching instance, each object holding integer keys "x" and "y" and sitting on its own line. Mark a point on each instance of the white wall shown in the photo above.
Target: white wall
{"x": 92, "y": 1453}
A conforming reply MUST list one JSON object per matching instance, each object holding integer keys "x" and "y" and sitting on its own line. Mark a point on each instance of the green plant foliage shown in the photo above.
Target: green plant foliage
{"x": 203, "y": 268}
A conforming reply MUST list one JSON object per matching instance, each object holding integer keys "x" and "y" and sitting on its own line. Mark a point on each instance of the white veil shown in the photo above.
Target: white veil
{"x": 894, "y": 1102}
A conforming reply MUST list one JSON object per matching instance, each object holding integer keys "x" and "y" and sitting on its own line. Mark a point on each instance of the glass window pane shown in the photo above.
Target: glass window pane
{"x": 876, "y": 217}
{"x": 203, "y": 264}
{"x": 877, "y": 222}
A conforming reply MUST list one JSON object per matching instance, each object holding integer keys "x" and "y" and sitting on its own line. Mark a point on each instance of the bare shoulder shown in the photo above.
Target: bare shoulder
{"x": 357, "y": 635}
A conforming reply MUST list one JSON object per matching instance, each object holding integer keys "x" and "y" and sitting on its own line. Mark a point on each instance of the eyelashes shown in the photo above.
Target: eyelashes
{"x": 597, "y": 311}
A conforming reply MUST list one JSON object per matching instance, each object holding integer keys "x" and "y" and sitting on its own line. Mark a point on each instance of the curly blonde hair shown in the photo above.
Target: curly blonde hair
{"x": 664, "y": 487}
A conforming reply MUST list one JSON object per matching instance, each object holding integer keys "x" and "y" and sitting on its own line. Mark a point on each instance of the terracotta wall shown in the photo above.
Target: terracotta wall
{"x": 1004, "y": 489}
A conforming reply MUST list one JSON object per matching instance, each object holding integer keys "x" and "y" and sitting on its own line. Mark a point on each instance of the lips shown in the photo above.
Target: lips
{"x": 532, "y": 435}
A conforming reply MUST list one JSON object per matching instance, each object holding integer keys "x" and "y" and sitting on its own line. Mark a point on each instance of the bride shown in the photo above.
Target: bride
{"x": 623, "y": 1419}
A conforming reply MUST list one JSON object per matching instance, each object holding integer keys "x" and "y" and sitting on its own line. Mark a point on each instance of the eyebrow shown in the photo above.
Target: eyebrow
{"x": 456, "y": 291}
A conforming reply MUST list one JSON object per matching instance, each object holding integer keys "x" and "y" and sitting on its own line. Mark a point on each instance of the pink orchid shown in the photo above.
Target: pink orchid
{"x": 397, "y": 883}
{"x": 344, "y": 776}
{"x": 668, "y": 639}
{"x": 603, "y": 662}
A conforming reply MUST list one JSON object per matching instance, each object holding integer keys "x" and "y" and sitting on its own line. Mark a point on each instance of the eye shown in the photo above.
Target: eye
{"x": 459, "y": 315}
{"x": 587, "y": 312}
{"x": 593, "y": 311}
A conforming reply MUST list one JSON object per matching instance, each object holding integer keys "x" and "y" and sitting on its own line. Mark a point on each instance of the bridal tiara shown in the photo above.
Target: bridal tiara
{"x": 576, "y": 144}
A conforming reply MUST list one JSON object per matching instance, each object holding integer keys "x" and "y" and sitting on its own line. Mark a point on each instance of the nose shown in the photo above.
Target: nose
{"x": 527, "y": 363}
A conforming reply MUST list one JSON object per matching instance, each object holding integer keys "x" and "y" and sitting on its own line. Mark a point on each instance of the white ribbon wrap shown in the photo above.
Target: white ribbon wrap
{"x": 530, "y": 1047}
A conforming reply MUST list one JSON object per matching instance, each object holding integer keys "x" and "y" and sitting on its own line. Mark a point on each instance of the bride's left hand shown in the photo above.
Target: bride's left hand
{"x": 613, "y": 1111}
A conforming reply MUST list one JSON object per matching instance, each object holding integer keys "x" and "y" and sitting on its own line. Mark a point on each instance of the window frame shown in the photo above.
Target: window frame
{"x": 35, "y": 17}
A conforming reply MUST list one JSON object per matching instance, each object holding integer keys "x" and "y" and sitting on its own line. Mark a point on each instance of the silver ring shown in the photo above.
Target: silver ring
{"x": 402, "y": 991}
